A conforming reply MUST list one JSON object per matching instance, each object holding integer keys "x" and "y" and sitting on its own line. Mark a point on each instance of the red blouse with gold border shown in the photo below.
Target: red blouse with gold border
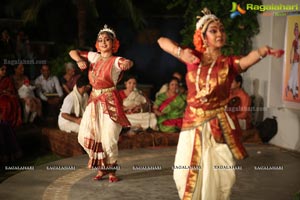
{"x": 213, "y": 109}
{"x": 104, "y": 89}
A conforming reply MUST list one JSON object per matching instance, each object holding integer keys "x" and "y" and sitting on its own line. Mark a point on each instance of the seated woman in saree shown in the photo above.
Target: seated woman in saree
{"x": 169, "y": 108}
{"x": 68, "y": 80}
{"x": 10, "y": 109}
{"x": 10, "y": 117}
{"x": 136, "y": 106}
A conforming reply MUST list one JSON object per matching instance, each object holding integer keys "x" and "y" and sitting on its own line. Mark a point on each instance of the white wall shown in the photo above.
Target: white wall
{"x": 269, "y": 73}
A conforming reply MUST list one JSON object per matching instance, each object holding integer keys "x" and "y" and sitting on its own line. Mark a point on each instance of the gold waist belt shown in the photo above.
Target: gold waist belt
{"x": 206, "y": 113}
{"x": 98, "y": 92}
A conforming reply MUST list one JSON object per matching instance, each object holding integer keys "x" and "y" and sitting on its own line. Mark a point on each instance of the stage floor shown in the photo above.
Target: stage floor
{"x": 70, "y": 179}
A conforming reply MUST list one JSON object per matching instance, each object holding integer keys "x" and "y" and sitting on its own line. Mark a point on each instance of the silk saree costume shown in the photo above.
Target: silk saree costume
{"x": 209, "y": 138}
{"x": 103, "y": 118}
{"x": 173, "y": 109}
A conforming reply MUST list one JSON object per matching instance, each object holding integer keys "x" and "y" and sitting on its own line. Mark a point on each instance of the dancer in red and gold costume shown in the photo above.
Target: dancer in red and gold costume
{"x": 103, "y": 118}
{"x": 209, "y": 140}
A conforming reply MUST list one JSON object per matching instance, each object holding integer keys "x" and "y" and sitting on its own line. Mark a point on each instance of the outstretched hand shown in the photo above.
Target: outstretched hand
{"x": 126, "y": 64}
{"x": 188, "y": 56}
{"x": 82, "y": 64}
{"x": 276, "y": 52}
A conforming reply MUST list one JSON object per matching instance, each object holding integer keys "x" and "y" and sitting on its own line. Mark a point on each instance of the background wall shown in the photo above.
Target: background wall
{"x": 269, "y": 73}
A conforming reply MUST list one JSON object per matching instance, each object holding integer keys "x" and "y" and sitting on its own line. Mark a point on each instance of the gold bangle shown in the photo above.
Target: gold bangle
{"x": 178, "y": 51}
{"x": 259, "y": 54}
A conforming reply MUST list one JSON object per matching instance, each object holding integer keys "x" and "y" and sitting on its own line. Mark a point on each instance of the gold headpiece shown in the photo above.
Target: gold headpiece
{"x": 205, "y": 20}
{"x": 106, "y": 29}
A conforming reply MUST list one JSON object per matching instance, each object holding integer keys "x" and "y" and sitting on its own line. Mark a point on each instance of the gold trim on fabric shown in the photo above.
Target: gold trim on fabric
{"x": 201, "y": 116}
{"x": 229, "y": 137}
{"x": 111, "y": 106}
{"x": 206, "y": 113}
{"x": 195, "y": 161}
{"x": 98, "y": 92}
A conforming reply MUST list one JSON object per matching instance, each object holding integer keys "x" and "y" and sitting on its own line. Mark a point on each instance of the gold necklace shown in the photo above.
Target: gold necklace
{"x": 201, "y": 94}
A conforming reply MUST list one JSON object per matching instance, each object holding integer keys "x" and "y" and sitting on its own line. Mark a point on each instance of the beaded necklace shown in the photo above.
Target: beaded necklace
{"x": 203, "y": 92}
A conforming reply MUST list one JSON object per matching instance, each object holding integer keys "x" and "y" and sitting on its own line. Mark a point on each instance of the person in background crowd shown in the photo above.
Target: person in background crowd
{"x": 32, "y": 105}
{"x": 74, "y": 106}
{"x": 169, "y": 108}
{"x": 7, "y": 46}
{"x": 10, "y": 109}
{"x": 181, "y": 88}
{"x": 49, "y": 91}
{"x": 19, "y": 77}
{"x": 10, "y": 117}
{"x": 68, "y": 81}
{"x": 240, "y": 103}
{"x": 136, "y": 106}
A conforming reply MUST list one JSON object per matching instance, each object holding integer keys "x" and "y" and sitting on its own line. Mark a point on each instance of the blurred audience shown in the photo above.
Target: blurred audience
{"x": 240, "y": 103}
{"x": 49, "y": 91}
{"x": 32, "y": 105}
{"x": 136, "y": 106}
{"x": 19, "y": 77}
{"x": 181, "y": 88}
{"x": 10, "y": 110}
{"x": 7, "y": 46}
{"x": 169, "y": 108}
{"x": 74, "y": 106}
{"x": 10, "y": 117}
{"x": 69, "y": 79}
{"x": 21, "y": 45}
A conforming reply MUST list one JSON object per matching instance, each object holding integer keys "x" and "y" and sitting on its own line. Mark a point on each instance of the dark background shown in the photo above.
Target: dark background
{"x": 55, "y": 30}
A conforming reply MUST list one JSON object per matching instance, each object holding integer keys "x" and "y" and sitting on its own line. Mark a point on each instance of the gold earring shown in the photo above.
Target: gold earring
{"x": 205, "y": 44}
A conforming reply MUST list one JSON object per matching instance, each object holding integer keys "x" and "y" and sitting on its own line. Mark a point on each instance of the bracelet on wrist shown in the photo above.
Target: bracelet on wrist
{"x": 178, "y": 51}
{"x": 261, "y": 55}
{"x": 79, "y": 61}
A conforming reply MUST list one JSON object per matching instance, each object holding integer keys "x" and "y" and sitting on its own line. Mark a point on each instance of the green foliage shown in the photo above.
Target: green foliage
{"x": 239, "y": 30}
{"x": 57, "y": 63}
{"x": 297, "y": 196}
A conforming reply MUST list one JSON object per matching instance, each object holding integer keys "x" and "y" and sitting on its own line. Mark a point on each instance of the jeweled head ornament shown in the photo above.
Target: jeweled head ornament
{"x": 205, "y": 20}
{"x": 106, "y": 29}
{"x": 116, "y": 43}
{"x": 201, "y": 27}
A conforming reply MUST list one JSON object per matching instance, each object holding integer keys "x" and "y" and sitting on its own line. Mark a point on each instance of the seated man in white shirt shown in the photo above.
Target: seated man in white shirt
{"x": 73, "y": 106}
{"x": 49, "y": 91}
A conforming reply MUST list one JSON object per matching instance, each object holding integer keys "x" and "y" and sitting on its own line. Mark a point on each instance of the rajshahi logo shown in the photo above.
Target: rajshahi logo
{"x": 236, "y": 10}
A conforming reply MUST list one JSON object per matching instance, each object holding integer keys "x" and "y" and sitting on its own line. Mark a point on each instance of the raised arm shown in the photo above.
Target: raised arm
{"x": 169, "y": 46}
{"x": 256, "y": 55}
{"x": 186, "y": 55}
{"x": 81, "y": 62}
